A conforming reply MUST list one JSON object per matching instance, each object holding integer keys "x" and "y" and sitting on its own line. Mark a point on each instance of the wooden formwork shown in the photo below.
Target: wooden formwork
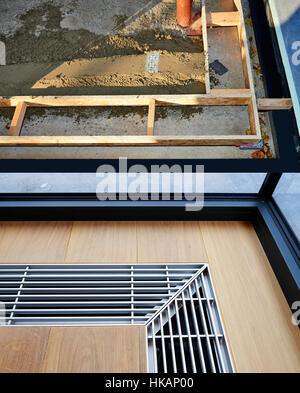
{"x": 213, "y": 97}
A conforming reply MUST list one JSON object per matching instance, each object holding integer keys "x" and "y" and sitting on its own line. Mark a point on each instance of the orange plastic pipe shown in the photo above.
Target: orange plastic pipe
{"x": 184, "y": 12}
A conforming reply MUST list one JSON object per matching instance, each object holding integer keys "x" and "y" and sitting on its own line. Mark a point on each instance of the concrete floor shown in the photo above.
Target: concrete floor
{"x": 125, "y": 17}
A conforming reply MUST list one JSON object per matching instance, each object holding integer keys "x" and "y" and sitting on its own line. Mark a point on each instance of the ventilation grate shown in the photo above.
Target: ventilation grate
{"x": 88, "y": 294}
{"x": 186, "y": 334}
{"x": 176, "y": 304}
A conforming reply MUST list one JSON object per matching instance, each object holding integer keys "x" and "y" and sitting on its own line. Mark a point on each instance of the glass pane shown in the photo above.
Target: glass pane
{"x": 287, "y": 197}
{"x": 87, "y": 182}
{"x": 236, "y": 183}
{"x": 48, "y": 182}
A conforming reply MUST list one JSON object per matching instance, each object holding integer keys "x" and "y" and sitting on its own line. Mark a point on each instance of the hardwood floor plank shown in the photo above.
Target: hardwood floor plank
{"x": 143, "y": 350}
{"x": 170, "y": 242}
{"x": 255, "y": 313}
{"x": 34, "y": 242}
{"x": 108, "y": 349}
{"x": 102, "y": 242}
{"x": 22, "y": 349}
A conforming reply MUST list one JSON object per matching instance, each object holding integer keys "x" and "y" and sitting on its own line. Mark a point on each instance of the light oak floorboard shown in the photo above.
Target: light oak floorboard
{"x": 102, "y": 242}
{"x": 34, "y": 242}
{"x": 94, "y": 349}
{"x": 255, "y": 313}
{"x": 22, "y": 349}
{"x": 170, "y": 242}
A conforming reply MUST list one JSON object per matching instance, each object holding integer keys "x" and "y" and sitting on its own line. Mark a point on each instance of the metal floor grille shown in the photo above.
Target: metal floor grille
{"x": 176, "y": 304}
{"x": 186, "y": 334}
{"x": 88, "y": 294}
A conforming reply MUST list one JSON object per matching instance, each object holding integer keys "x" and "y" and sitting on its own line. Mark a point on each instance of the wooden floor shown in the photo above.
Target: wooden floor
{"x": 73, "y": 349}
{"x": 255, "y": 314}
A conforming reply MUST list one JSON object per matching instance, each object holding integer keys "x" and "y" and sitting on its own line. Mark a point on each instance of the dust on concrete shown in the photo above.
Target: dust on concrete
{"x": 214, "y": 80}
{"x": 186, "y": 112}
{"x": 42, "y": 56}
{"x": 78, "y": 114}
{"x": 142, "y": 42}
{"x": 116, "y": 65}
{"x": 7, "y": 113}
{"x": 119, "y": 21}
{"x": 41, "y": 39}
{"x": 167, "y": 82}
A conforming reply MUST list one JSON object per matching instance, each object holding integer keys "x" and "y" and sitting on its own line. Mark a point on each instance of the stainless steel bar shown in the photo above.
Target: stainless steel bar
{"x": 163, "y": 344}
{"x": 211, "y": 358}
{"x": 17, "y": 297}
{"x": 183, "y": 274}
{"x": 132, "y": 293}
{"x": 98, "y": 288}
{"x": 90, "y": 303}
{"x": 201, "y": 356}
{"x": 111, "y": 268}
{"x": 154, "y": 348}
{"x": 187, "y": 323}
{"x": 94, "y": 282}
{"x": 220, "y": 356}
{"x": 180, "y": 340}
{"x": 89, "y": 295}
{"x": 128, "y": 311}
{"x": 186, "y": 336}
{"x": 75, "y": 317}
{"x": 172, "y": 342}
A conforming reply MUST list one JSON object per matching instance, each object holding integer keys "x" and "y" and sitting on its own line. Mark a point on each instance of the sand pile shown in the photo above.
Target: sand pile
{"x": 178, "y": 72}
{"x": 46, "y": 59}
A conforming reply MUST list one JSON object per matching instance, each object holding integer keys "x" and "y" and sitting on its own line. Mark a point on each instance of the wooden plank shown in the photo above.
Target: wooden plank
{"x": 143, "y": 350}
{"x": 17, "y": 120}
{"x": 151, "y": 118}
{"x": 205, "y": 47}
{"x": 256, "y": 315}
{"x": 105, "y": 349}
{"x": 34, "y": 242}
{"x": 254, "y": 119}
{"x": 22, "y": 349}
{"x": 192, "y": 140}
{"x": 223, "y": 19}
{"x": 161, "y": 100}
{"x": 102, "y": 242}
{"x": 274, "y": 104}
{"x": 207, "y": 100}
{"x": 214, "y": 19}
{"x": 247, "y": 69}
{"x": 230, "y": 91}
{"x": 170, "y": 242}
